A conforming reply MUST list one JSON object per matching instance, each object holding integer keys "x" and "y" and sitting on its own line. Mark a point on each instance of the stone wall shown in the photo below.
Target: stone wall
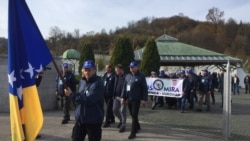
{"x": 46, "y": 89}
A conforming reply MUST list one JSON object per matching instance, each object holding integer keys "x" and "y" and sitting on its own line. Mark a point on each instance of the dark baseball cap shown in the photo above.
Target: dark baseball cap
{"x": 65, "y": 65}
{"x": 133, "y": 64}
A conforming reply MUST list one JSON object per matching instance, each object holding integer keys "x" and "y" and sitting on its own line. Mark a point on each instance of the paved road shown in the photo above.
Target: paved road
{"x": 162, "y": 124}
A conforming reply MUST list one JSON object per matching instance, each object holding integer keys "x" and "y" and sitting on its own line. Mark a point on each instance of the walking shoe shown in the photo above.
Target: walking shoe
{"x": 122, "y": 129}
{"x": 65, "y": 121}
{"x": 106, "y": 125}
{"x": 153, "y": 106}
{"x": 131, "y": 136}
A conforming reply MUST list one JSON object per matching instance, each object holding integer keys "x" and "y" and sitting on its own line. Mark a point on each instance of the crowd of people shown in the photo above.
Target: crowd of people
{"x": 121, "y": 91}
{"x": 116, "y": 89}
{"x": 198, "y": 88}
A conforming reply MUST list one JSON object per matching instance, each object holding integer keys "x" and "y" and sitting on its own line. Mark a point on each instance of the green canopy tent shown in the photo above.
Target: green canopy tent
{"x": 174, "y": 53}
{"x": 72, "y": 56}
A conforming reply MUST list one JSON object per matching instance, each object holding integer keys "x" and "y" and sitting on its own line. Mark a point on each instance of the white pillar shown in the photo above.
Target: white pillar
{"x": 227, "y": 103}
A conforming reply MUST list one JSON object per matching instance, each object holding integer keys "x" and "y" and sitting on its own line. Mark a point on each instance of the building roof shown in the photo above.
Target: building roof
{"x": 174, "y": 53}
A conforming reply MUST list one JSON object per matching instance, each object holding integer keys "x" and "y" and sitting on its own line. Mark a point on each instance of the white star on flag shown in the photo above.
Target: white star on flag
{"x": 40, "y": 69}
{"x": 11, "y": 78}
{"x": 30, "y": 70}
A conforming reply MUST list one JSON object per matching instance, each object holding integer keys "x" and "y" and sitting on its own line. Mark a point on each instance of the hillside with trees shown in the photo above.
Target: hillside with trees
{"x": 216, "y": 34}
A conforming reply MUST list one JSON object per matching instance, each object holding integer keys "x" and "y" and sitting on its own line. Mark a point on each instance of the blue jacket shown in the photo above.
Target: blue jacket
{"x": 118, "y": 85}
{"x": 108, "y": 83}
{"x": 188, "y": 85}
{"x": 205, "y": 84}
{"x": 89, "y": 99}
{"x": 70, "y": 81}
{"x": 135, "y": 87}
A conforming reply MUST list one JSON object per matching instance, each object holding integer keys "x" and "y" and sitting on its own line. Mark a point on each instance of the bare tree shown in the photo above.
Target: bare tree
{"x": 77, "y": 33}
{"x": 56, "y": 35}
{"x": 215, "y": 15}
{"x": 55, "y": 32}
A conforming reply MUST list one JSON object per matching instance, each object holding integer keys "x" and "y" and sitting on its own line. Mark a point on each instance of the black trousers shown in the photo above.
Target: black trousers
{"x": 134, "y": 106}
{"x": 94, "y": 132}
{"x": 109, "y": 117}
{"x": 65, "y": 104}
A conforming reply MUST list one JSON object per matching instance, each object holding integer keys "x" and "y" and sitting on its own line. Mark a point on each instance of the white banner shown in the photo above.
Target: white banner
{"x": 165, "y": 87}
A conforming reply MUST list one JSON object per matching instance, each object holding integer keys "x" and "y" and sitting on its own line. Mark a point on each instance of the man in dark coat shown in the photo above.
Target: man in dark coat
{"x": 69, "y": 81}
{"x": 108, "y": 83}
{"x": 89, "y": 112}
{"x": 135, "y": 93}
{"x": 205, "y": 87}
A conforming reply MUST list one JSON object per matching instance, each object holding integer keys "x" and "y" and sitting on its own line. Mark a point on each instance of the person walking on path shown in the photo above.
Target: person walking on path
{"x": 135, "y": 92}
{"x": 89, "y": 113}
{"x": 155, "y": 99}
{"x": 214, "y": 85}
{"x": 119, "y": 109}
{"x": 205, "y": 86}
{"x": 70, "y": 81}
{"x": 188, "y": 89}
{"x": 247, "y": 84}
{"x": 221, "y": 86}
{"x": 235, "y": 84}
{"x": 108, "y": 82}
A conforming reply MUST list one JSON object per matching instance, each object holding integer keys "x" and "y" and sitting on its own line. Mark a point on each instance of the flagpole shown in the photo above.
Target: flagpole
{"x": 59, "y": 73}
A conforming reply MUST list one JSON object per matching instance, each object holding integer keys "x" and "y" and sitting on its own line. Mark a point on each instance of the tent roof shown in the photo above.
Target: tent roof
{"x": 174, "y": 53}
{"x": 71, "y": 54}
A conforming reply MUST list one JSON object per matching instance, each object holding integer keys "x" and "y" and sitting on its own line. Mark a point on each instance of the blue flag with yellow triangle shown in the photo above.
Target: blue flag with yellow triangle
{"x": 28, "y": 55}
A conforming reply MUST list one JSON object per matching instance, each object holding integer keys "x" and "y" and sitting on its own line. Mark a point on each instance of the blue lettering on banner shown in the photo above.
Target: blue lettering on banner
{"x": 171, "y": 89}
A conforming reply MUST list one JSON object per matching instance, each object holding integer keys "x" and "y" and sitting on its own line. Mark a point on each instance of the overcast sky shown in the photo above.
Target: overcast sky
{"x": 95, "y": 15}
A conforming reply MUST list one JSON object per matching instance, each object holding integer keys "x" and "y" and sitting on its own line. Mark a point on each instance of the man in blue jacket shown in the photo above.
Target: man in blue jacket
{"x": 108, "y": 83}
{"x": 89, "y": 112}
{"x": 205, "y": 86}
{"x": 119, "y": 108}
{"x": 135, "y": 92}
{"x": 70, "y": 81}
{"x": 188, "y": 89}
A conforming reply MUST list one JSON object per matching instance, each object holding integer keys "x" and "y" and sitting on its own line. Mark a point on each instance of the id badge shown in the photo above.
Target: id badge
{"x": 128, "y": 87}
{"x": 87, "y": 93}
{"x": 60, "y": 82}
